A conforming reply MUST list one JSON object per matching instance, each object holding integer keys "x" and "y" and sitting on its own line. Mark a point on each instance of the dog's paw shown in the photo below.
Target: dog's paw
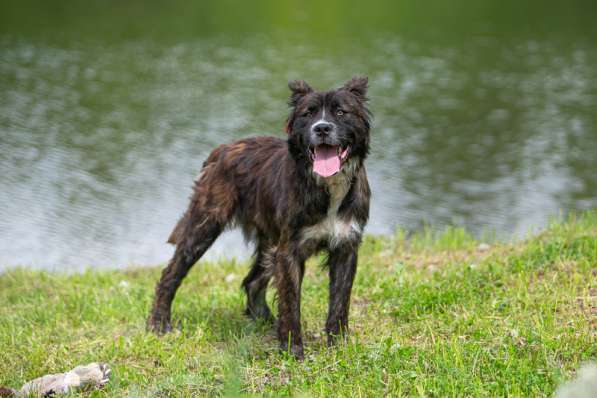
{"x": 296, "y": 350}
{"x": 334, "y": 340}
{"x": 159, "y": 325}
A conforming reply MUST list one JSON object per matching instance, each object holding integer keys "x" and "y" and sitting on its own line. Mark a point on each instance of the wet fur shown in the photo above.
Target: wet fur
{"x": 267, "y": 186}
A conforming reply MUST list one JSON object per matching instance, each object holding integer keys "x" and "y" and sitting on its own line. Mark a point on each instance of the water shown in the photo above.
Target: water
{"x": 483, "y": 118}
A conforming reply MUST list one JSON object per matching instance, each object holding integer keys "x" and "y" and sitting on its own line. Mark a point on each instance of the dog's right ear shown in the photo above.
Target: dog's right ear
{"x": 298, "y": 88}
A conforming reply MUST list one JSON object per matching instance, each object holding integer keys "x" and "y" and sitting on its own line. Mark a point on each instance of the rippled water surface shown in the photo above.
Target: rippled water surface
{"x": 101, "y": 134}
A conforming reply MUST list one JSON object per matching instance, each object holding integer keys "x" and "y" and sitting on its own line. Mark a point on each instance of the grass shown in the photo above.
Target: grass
{"x": 431, "y": 315}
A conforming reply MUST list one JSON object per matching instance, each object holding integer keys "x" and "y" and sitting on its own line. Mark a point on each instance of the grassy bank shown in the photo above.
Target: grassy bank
{"x": 433, "y": 315}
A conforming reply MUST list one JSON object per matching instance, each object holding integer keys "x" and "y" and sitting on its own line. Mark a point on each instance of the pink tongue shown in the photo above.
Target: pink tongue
{"x": 327, "y": 161}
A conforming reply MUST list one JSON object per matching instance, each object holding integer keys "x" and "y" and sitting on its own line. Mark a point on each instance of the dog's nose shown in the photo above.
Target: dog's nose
{"x": 323, "y": 128}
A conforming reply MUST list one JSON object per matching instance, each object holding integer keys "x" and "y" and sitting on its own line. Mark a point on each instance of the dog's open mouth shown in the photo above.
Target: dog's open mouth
{"x": 327, "y": 159}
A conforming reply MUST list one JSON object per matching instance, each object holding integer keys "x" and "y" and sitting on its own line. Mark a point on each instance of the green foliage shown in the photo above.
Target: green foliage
{"x": 431, "y": 316}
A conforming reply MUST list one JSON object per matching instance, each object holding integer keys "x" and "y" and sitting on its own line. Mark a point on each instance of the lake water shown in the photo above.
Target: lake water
{"x": 485, "y": 114}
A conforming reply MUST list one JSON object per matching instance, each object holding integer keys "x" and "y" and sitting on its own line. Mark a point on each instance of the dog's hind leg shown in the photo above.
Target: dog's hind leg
{"x": 255, "y": 285}
{"x": 212, "y": 207}
{"x": 189, "y": 248}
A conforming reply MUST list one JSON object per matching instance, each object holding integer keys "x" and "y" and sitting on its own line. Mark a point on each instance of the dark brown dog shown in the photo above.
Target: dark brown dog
{"x": 292, "y": 198}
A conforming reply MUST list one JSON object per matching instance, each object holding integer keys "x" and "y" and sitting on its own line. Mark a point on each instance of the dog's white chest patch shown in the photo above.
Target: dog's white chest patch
{"x": 332, "y": 228}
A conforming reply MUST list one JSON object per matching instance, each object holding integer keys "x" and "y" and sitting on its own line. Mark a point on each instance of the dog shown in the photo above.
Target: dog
{"x": 292, "y": 198}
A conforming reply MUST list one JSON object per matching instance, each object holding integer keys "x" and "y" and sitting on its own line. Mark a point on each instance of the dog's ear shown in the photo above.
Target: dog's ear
{"x": 358, "y": 86}
{"x": 298, "y": 88}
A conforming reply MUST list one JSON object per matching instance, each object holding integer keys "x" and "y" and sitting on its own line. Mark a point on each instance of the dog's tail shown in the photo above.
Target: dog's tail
{"x": 7, "y": 392}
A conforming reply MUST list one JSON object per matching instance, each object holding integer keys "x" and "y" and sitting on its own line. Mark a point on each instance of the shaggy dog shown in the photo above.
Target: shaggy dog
{"x": 293, "y": 198}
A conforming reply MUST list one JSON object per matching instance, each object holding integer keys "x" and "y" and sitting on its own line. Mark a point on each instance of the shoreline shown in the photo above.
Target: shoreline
{"x": 435, "y": 313}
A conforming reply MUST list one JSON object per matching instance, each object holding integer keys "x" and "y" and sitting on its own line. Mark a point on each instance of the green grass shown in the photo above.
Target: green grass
{"x": 431, "y": 316}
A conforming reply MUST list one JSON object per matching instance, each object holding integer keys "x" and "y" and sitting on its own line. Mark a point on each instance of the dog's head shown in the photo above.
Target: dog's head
{"x": 329, "y": 129}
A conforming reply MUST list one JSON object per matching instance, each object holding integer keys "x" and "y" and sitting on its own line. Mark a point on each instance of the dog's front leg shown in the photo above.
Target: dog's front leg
{"x": 342, "y": 264}
{"x": 289, "y": 270}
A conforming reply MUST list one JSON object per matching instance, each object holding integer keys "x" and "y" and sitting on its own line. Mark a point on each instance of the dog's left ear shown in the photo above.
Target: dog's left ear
{"x": 358, "y": 86}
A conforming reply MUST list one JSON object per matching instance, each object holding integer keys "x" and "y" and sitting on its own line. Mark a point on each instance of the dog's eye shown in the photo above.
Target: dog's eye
{"x": 307, "y": 114}
{"x": 339, "y": 112}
